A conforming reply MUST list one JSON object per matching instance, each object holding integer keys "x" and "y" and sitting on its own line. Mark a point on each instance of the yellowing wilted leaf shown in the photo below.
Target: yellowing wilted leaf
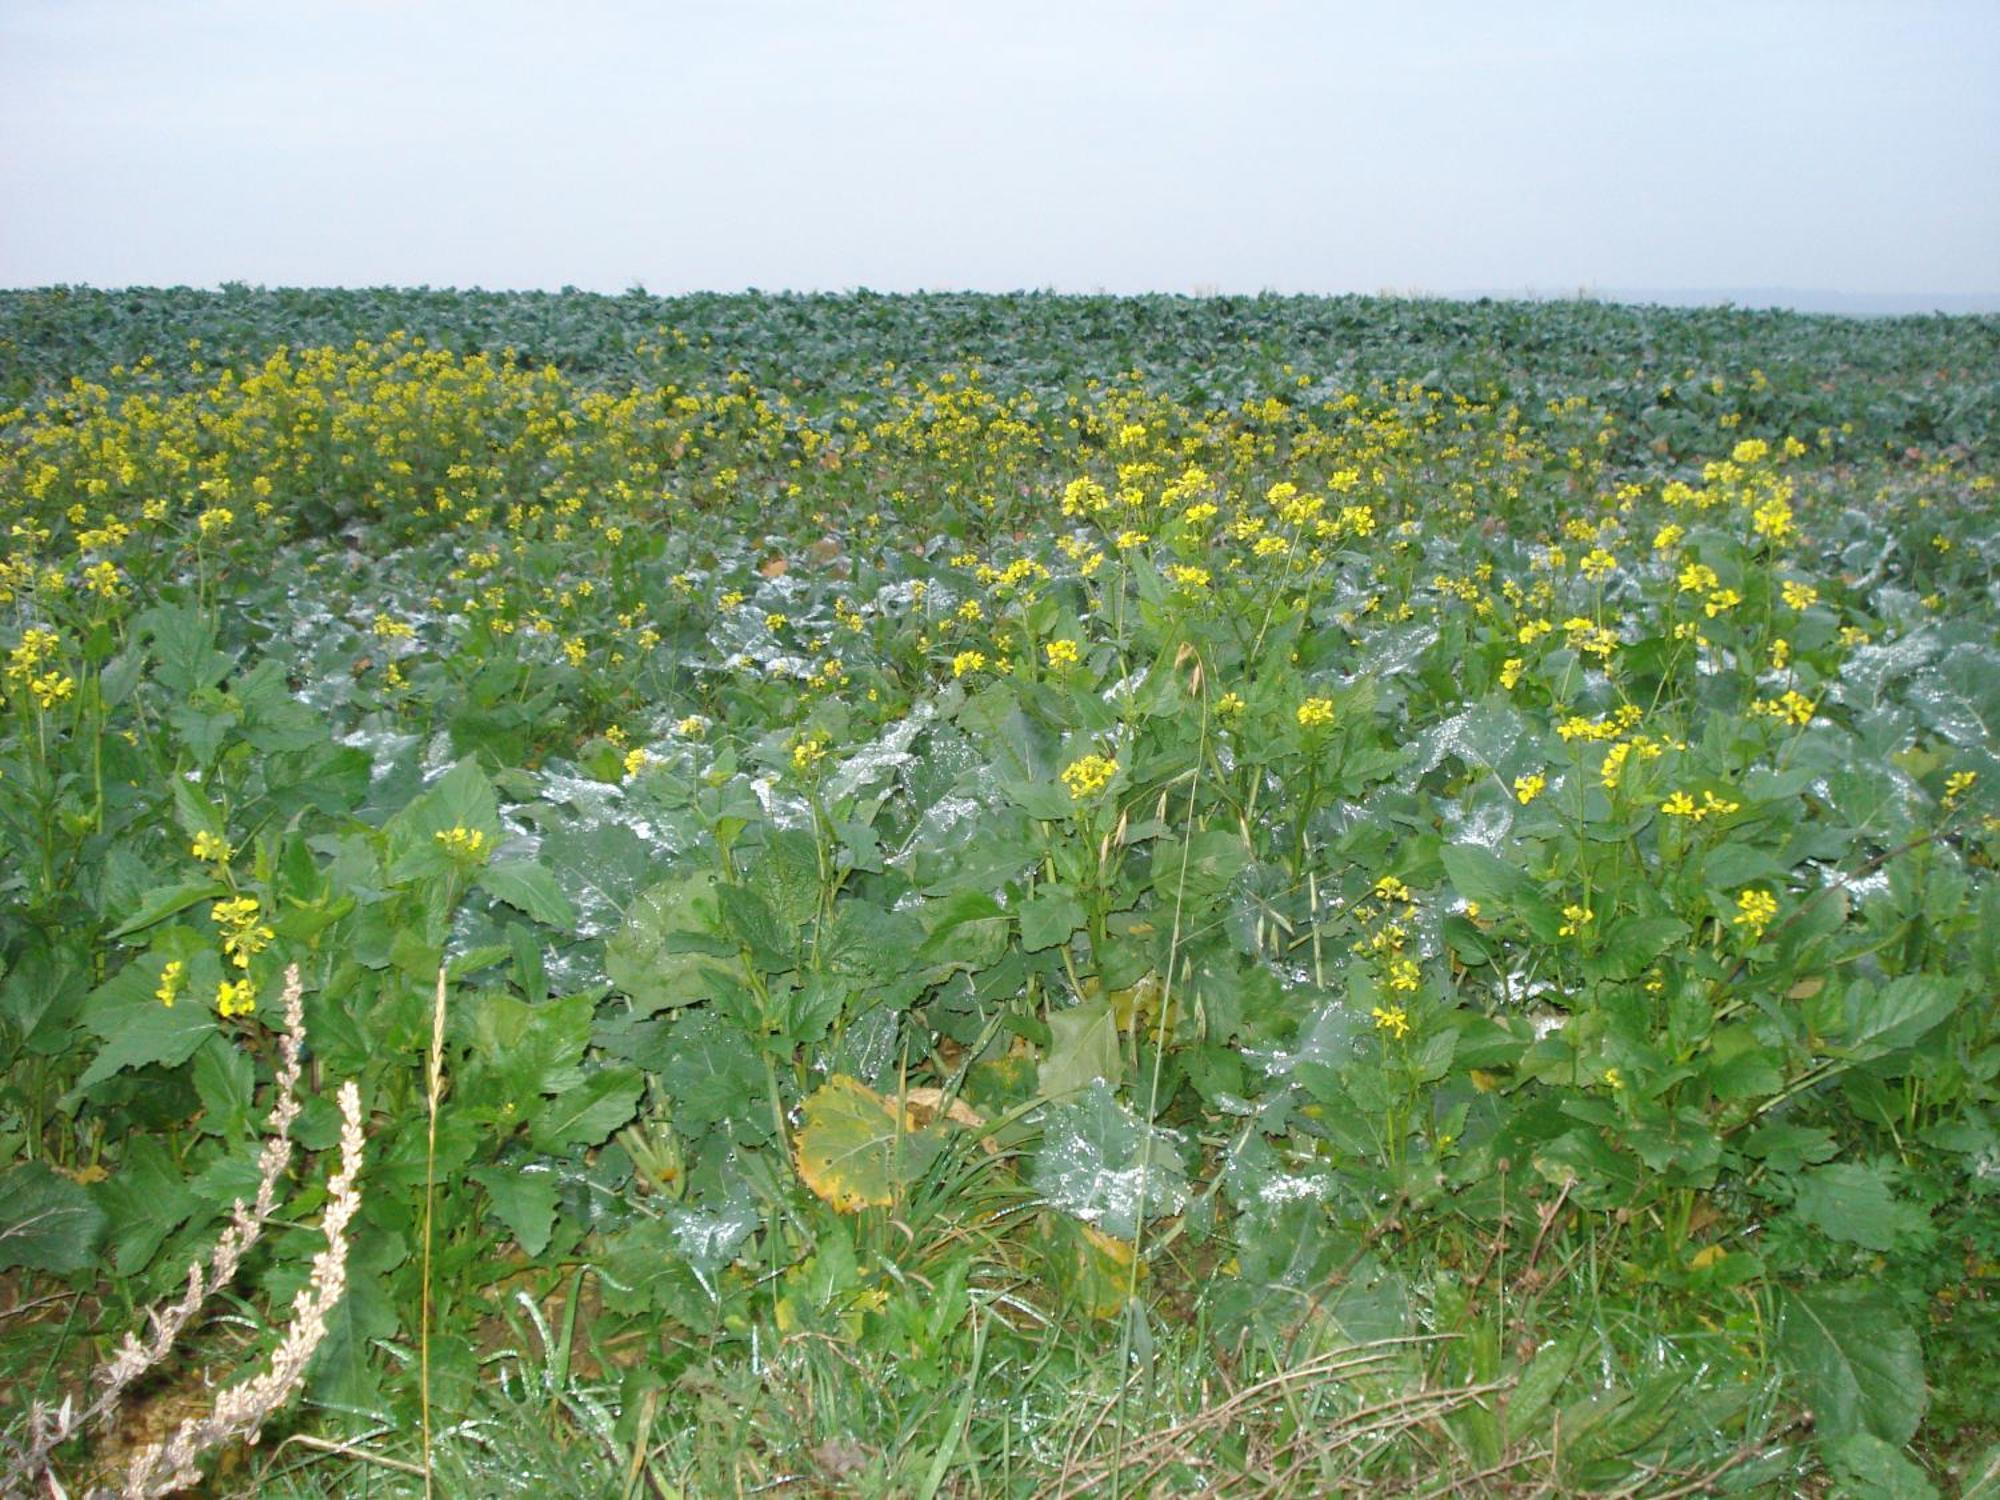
{"x": 849, "y": 1149}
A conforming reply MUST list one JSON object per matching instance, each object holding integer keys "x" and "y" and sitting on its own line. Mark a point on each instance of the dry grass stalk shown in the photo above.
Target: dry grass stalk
{"x": 242, "y": 1410}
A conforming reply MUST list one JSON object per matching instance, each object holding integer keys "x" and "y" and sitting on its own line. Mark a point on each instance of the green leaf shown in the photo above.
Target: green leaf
{"x": 140, "y": 1030}
{"x": 47, "y": 1222}
{"x": 163, "y": 901}
{"x": 145, "y": 1199}
{"x": 1855, "y": 1204}
{"x": 524, "y": 1199}
{"x": 748, "y": 919}
{"x": 712, "y": 1075}
{"x": 966, "y": 931}
{"x": 1857, "y": 1363}
{"x": 1048, "y": 918}
{"x": 226, "y": 1081}
{"x": 1632, "y": 943}
{"x": 1100, "y": 1163}
{"x": 1200, "y": 869}
{"x": 670, "y": 946}
{"x": 531, "y": 1049}
{"x": 1540, "y": 1382}
{"x": 1870, "y": 1469}
{"x": 1048, "y": 800}
{"x": 184, "y": 654}
{"x": 586, "y": 1114}
{"x": 1478, "y": 874}
{"x": 527, "y": 887}
{"x": 461, "y": 798}
{"x": 1083, "y": 1047}
{"x": 1897, "y": 1015}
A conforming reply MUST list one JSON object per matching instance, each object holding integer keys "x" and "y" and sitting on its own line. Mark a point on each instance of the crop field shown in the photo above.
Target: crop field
{"x": 960, "y": 896}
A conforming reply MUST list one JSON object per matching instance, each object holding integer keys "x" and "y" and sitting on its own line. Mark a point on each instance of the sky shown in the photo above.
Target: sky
{"x": 1079, "y": 145}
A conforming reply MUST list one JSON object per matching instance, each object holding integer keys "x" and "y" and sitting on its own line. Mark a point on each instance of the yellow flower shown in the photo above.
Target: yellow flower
{"x": 692, "y": 726}
{"x": 1392, "y": 1019}
{"x": 1721, "y": 601}
{"x": 1575, "y": 919}
{"x": 968, "y": 661}
{"x": 1754, "y": 911}
{"x": 636, "y": 760}
{"x": 172, "y": 978}
{"x": 1229, "y": 705}
{"x": 468, "y": 844}
{"x": 1510, "y": 673}
{"x": 1062, "y": 653}
{"x": 1315, "y": 713}
{"x": 216, "y": 518}
{"x": 1404, "y": 974}
{"x": 210, "y": 847}
{"x": 1957, "y": 785}
{"x": 808, "y": 752}
{"x": 1680, "y": 805}
{"x": 1528, "y": 788}
{"x": 1188, "y": 577}
{"x": 1088, "y": 776}
{"x": 1798, "y": 595}
{"x": 51, "y": 688}
{"x": 1389, "y": 888}
{"x": 235, "y": 998}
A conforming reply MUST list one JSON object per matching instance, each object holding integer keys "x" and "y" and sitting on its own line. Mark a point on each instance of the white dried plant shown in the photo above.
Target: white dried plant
{"x": 242, "y": 1410}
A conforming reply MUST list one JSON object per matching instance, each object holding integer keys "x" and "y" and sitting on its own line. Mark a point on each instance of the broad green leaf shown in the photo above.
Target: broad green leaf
{"x": 529, "y": 888}
{"x": 1100, "y": 1163}
{"x": 1083, "y": 1047}
{"x": 712, "y": 1074}
{"x": 522, "y": 1197}
{"x": 1858, "y": 1365}
{"x": 1869, "y": 1469}
{"x": 226, "y": 1081}
{"x": 461, "y": 798}
{"x": 184, "y": 654}
{"x": 47, "y": 1222}
{"x": 1200, "y": 869}
{"x": 1500, "y": 888}
{"x": 585, "y": 1114}
{"x": 670, "y": 946}
{"x": 1539, "y": 1383}
{"x": 1048, "y": 918}
{"x": 137, "y": 1028}
{"x": 1632, "y": 943}
{"x": 1896, "y": 1015}
{"x": 145, "y": 1199}
{"x": 163, "y": 901}
{"x": 1855, "y": 1204}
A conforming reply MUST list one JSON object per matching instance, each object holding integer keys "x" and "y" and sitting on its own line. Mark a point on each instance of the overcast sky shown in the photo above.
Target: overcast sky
{"x": 1074, "y": 144}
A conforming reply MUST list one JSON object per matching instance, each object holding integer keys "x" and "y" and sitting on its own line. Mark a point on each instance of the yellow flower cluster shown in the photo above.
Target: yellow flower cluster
{"x": 1681, "y": 805}
{"x": 244, "y": 933}
{"x": 1754, "y": 912}
{"x": 1088, "y": 776}
{"x": 1315, "y": 713}
{"x": 469, "y": 845}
